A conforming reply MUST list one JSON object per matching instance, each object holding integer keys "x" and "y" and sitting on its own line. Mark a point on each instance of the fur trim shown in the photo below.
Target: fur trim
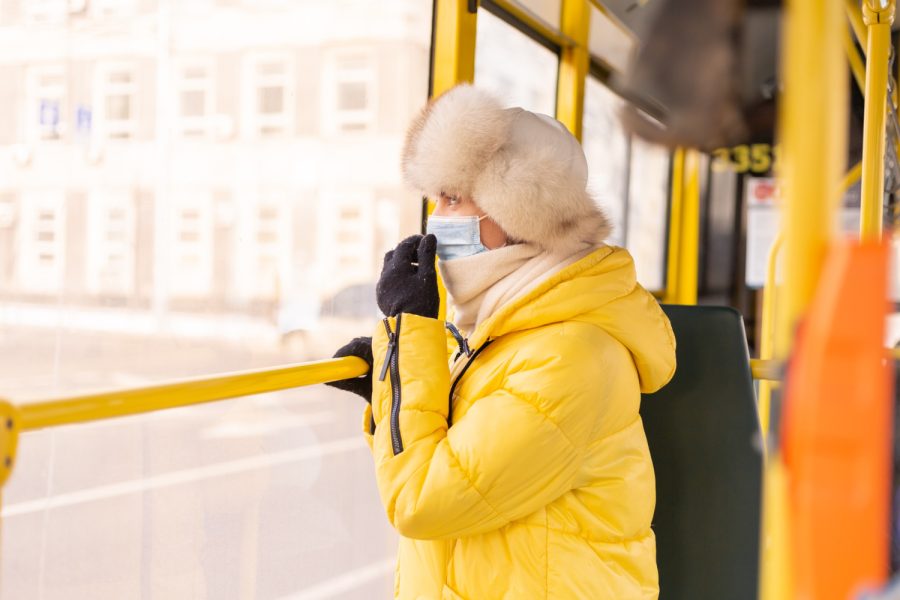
{"x": 525, "y": 170}
{"x": 535, "y": 187}
{"x": 451, "y": 139}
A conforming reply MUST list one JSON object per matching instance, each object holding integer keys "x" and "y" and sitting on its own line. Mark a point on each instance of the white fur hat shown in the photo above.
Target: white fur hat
{"x": 525, "y": 170}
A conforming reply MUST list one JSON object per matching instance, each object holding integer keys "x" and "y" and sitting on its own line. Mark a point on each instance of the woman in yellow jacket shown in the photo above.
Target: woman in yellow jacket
{"x": 515, "y": 465}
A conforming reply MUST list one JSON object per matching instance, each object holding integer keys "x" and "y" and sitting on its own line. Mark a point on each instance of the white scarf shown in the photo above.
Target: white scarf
{"x": 480, "y": 284}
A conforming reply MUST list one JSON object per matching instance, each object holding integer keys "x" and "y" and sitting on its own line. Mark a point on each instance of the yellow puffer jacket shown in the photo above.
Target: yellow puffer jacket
{"x": 543, "y": 486}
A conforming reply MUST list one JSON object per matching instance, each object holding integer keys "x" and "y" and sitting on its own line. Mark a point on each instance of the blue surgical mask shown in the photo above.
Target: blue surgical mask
{"x": 457, "y": 237}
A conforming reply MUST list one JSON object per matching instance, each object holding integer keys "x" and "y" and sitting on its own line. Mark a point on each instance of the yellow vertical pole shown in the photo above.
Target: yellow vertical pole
{"x": 455, "y": 23}
{"x": 574, "y": 64}
{"x": 454, "y": 45}
{"x": 10, "y": 424}
{"x": 878, "y": 16}
{"x": 673, "y": 259}
{"x": 689, "y": 254}
{"x": 1, "y": 537}
{"x": 767, "y": 337}
{"x": 775, "y": 565}
{"x": 813, "y": 117}
{"x": 813, "y": 113}
{"x": 682, "y": 264}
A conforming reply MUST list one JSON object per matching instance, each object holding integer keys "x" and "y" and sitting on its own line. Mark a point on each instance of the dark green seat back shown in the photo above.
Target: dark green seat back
{"x": 704, "y": 437}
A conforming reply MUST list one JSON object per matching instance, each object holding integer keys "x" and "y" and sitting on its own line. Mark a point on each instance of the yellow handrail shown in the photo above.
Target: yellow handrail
{"x": 854, "y": 15}
{"x": 187, "y": 392}
{"x": 852, "y": 176}
{"x": 860, "y": 31}
{"x": 857, "y": 66}
{"x": 766, "y": 369}
{"x": 200, "y": 390}
{"x": 878, "y": 19}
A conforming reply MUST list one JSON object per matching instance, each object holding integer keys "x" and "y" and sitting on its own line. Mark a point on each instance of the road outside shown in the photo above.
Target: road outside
{"x": 266, "y": 497}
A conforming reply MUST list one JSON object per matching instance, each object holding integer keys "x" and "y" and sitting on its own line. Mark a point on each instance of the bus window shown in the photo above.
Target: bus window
{"x": 517, "y": 69}
{"x": 609, "y": 43}
{"x": 630, "y": 180}
{"x": 194, "y": 187}
{"x": 648, "y": 196}
{"x": 607, "y": 148}
{"x": 548, "y": 11}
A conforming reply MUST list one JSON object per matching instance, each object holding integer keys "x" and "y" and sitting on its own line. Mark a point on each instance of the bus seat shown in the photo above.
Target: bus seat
{"x": 704, "y": 437}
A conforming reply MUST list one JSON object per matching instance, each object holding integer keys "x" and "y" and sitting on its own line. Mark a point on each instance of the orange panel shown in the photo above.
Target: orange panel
{"x": 838, "y": 419}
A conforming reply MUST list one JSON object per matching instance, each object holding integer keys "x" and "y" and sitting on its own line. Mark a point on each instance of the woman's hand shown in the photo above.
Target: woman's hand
{"x": 408, "y": 280}
{"x": 362, "y": 386}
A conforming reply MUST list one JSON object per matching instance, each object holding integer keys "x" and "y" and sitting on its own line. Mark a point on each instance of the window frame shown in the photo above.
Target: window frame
{"x": 101, "y": 247}
{"x": 346, "y": 262}
{"x": 192, "y": 280}
{"x": 35, "y": 132}
{"x": 119, "y": 129}
{"x": 253, "y": 119}
{"x": 335, "y": 75}
{"x": 44, "y": 12}
{"x": 113, "y": 8}
{"x": 31, "y": 275}
{"x": 196, "y": 127}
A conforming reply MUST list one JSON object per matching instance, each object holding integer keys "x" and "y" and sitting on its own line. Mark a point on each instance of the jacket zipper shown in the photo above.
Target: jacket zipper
{"x": 462, "y": 342}
{"x": 392, "y": 361}
{"x": 465, "y": 368}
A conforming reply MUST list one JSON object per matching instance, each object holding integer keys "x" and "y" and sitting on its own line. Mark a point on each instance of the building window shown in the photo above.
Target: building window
{"x": 346, "y": 236}
{"x": 271, "y": 244}
{"x": 192, "y": 245}
{"x": 195, "y": 101}
{"x": 348, "y": 233}
{"x": 117, "y": 102}
{"x": 111, "y": 242}
{"x": 114, "y": 8}
{"x": 41, "y": 237}
{"x": 353, "y": 90}
{"x": 46, "y": 101}
{"x": 46, "y": 11}
{"x": 270, "y": 97}
{"x": 197, "y": 6}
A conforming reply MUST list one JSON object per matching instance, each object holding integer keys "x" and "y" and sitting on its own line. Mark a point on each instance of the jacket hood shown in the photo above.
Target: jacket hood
{"x": 601, "y": 288}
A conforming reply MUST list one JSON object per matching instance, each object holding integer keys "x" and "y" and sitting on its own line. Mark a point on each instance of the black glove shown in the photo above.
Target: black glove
{"x": 362, "y": 348}
{"x": 408, "y": 280}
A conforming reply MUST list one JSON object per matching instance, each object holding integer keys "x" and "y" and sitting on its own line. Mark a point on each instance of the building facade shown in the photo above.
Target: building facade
{"x": 203, "y": 156}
